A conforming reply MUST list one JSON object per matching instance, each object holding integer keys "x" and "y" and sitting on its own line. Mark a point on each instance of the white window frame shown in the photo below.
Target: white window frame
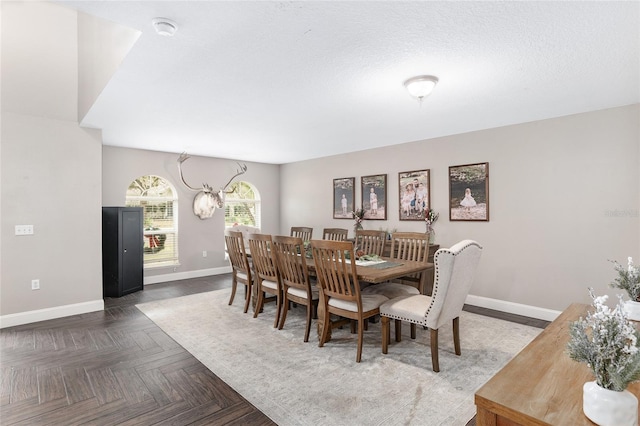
{"x": 152, "y": 237}
{"x": 236, "y": 198}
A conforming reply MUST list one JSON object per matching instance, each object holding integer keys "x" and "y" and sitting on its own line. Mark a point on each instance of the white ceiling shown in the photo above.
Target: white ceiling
{"x": 278, "y": 82}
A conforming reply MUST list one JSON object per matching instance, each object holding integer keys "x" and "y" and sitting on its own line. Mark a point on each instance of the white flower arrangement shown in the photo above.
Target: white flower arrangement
{"x": 430, "y": 218}
{"x": 628, "y": 279}
{"x": 608, "y": 343}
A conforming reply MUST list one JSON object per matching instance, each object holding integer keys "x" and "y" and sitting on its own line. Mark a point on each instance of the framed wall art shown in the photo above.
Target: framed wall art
{"x": 469, "y": 192}
{"x": 344, "y": 193}
{"x": 374, "y": 196}
{"x": 415, "y": 194}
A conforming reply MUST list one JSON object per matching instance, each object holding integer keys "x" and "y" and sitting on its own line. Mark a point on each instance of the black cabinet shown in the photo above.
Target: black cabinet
{"x": 122, "y": 250}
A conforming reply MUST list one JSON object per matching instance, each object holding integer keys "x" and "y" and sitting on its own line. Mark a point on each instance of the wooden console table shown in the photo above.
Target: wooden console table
{"x": 541, "y": 385}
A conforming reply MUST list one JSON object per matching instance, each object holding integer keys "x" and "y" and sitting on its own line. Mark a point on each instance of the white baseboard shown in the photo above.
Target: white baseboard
{"x": 28, "y": 317}
{"x": 513, "y": 308}
{"x": 174, "y": 276}
{"x": 12, "y": 320}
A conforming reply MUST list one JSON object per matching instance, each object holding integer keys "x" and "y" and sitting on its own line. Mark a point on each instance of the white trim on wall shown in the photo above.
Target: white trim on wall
{"x": 186, "y": 275}
{"x": 28, "y": 317}
{"x": 513, "y": 308}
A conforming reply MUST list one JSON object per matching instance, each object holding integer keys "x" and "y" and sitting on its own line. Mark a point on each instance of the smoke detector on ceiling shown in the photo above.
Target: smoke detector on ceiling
{"x": 165, "y": 27}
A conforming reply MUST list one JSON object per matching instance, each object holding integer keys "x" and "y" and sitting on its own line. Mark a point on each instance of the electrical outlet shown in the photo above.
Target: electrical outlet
{"x": 35, "y": 284}
{"x": 24, "y": 229}
{"x": 204, "y": 253}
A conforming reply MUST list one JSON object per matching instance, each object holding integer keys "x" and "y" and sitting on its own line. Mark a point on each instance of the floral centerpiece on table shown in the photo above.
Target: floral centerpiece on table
{"x": 608, "y": 343}
{"x": 430, "y": 218}
{"x": 358, "y": 215}
{"x": 628, "y": 279}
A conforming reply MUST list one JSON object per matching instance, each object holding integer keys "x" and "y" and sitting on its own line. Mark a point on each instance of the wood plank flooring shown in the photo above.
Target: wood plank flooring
{"x": 118, "y": 367}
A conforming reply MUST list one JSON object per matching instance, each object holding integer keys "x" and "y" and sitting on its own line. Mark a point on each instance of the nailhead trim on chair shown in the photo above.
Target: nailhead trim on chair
{"x": 436, "y": 273}
{"x": 398, "y": 317}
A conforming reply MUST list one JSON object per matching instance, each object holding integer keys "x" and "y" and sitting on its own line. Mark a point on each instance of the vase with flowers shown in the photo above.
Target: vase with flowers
{"x": 610, "y": 345}
{"x": 358, "y": 216}
{"x": 629, "y": 280}
{"x": 430, "y": 218}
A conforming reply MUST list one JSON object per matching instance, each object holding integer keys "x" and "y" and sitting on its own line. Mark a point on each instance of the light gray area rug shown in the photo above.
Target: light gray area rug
{"x": 297, "y": 383}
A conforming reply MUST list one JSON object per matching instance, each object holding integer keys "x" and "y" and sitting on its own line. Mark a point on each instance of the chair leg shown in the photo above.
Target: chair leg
{"x": 278, "y": 309}
{"x": 386, "y": 333}
{"x": 434, "y": 350}
{"x": 456, "y": 335}
{"x": 259, "y": 303}
{"x": 247, "y": 297}
{"x": 283, "y": 314}
{"x": 360, "y": 338}
{"x": 398, "y": 330}
{"x": 233, "y": 291}
{"x": 308, "y": 328}
{"x": 413, "y": 331}
{"x": 325, "y": 327}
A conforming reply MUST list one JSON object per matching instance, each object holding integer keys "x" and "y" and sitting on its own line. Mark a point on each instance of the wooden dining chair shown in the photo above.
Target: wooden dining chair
{"x": 335, "y": 234}
{"x": 455, "y": 272}
{"x": 240, "y": 269}
{"x": 338, "y": 279}
{"x": 405, "y": 246}
{"x": 294, "y": 275}
{"x": 266, "y": 273}
{"x": 370, "y": 241}
{"x": 304, "y": 232}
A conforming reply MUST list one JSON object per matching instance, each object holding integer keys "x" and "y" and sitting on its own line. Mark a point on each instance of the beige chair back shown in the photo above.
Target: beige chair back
{"x": 370, "y": 242}
{"x": 303, "y": 232}
{"x": 455, "y": 272}
{"x": 335, "y": 234}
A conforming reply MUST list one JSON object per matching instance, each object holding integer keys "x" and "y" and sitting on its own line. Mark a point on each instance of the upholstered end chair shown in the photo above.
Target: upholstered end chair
{"x": 455, "y": 269}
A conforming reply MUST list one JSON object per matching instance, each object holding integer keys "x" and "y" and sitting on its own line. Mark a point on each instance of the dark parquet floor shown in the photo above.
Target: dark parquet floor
{"x": 116, "y": 367}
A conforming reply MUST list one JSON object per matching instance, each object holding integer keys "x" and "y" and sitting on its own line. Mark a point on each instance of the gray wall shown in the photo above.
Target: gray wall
{"x": 120, "y": 166}
{"x": 50, "y": 170}
{"x": 564, "y": 198}
{"x": 564, "y": 193}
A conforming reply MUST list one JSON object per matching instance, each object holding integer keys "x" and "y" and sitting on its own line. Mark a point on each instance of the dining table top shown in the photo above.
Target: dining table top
{"x": 378, "y": 272}
{"x": 386, "y": 270}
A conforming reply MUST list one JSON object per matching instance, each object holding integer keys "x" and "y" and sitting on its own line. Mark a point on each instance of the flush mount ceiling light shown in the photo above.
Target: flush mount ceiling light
{"x": 419, "y": 87}
{"x": 165, "y": 27}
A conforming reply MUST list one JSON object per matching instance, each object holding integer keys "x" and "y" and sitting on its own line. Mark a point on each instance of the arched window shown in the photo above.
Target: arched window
{"x": 242, "y": 206}
{"x": 159, "y": 201}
